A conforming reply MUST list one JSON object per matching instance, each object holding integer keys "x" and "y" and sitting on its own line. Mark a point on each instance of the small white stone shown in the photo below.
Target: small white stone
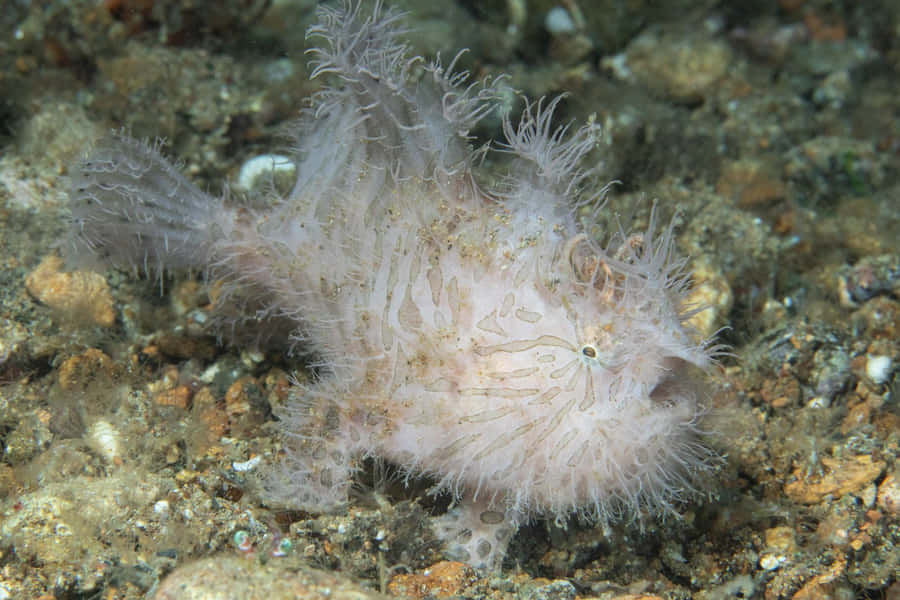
{"x": 818, "y": 402}
{"x": 559, "y": 21}
{"x": 210, "y": 373}
{"x": 770, "y": 562}
{"x": 878, "y": 368}
{"x": 617, "y": 64}
{"x": 262, "y": 165}
{"x": 889, "y": 494}
{"x": 161, "y": 507}
{"x": 103, "y": 438}
{"x": 868, "y": 495}
{"x": 247, "y": 465}
{"x": 251, "y": 358}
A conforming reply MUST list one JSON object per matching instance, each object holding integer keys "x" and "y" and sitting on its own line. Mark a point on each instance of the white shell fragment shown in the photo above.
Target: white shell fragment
{"x": 103, "y": 438}
{"x": 878, "y": 368}
{"x": 559, "y": 21}
{"x": 263, "y": 165}
{"x": 247, "y": 465}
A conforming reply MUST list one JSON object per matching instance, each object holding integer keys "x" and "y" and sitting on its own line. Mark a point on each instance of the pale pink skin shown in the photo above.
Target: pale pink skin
{"x": 480, "y": 338}
{"x": 462, "y": 356}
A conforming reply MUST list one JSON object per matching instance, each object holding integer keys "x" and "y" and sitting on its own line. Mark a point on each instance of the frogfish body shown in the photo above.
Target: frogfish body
{"x": 476, "y": 336}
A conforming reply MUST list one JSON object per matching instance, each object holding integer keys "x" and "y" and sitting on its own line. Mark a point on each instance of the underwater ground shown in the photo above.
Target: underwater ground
{"x": 133, "y": 441}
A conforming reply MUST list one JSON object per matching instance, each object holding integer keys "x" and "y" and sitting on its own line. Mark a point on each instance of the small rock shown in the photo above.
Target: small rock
{"x": 878, "y": 368}
{"x": 843, "y": 476}
{"x": 82, "y": 295}
{"x": 185, "y": 347}
{"x": 823, "y": 171}
{"x": 79, "y": 371}
{"x": 104, "y": 438}
{"x": 179, "y": 396}
{"x": 889, "y": 494}
{"x": 684, "y": 67}
{"x": 8, "y": 481}
{"x": 711, "y": 292}
{"x": 781, "y": 538}
{"x": 559, "y": 21}
{"x": 879, "y": 318}
{"x": 237, "y": 578}
{"x": 555, "y": 590}
{"x": 28, "y": 438}
{"x": 821, "y": 586}
{"x": 771, "y": 561}
{"x": 241, "y": 396}
{"x": 872, "y": 276}
{"x": 265, "y": 169}
{"x": 442, "y": 580}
